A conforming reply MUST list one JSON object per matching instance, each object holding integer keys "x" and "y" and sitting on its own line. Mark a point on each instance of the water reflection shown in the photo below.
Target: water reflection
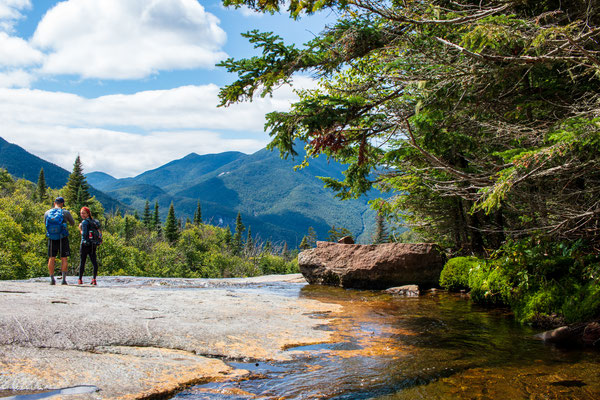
{"x": 437, "y": 346}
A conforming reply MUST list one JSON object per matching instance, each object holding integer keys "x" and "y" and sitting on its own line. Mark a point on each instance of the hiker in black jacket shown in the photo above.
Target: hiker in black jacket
{"x": 87, "y": 248}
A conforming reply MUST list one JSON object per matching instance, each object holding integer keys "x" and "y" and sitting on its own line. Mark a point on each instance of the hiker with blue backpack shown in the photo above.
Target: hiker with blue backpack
{"x": 91, "y": 238}
{"x": 56, "y": 220}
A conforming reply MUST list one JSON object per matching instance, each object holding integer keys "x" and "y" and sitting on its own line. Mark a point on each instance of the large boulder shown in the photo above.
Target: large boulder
{"x": 372, "y": 266}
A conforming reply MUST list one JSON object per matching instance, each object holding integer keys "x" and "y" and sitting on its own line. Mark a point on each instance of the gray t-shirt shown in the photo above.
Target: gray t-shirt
{"x": 66, "y": 215}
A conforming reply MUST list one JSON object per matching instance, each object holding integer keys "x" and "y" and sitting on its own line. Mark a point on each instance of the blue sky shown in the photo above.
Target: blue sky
{"x": 131, "y": 84}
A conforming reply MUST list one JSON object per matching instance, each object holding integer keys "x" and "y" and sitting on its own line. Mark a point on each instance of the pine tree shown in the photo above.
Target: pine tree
{"x": 171, "y": 228}
{"x": 198, "y": 215}
{"x": 156, "y": 220}
{"x": 41, "y": 192}
{"x": 268, "y": 247}
{"x": 249, "y": 241}
{"x": 336, "y": 234}
{"x": 285, "y": 253}
{"x": 128, "y": 229}
{"x": 380, "y": 235}
{"x": 311, "y": 237}
{"x": 77, "y": 189}
{"x": 188, "y": 221}
{"x": 147, "y": 217}
{"x": 80, "y": 200}
{"x": 237, "y": 237}
{"x": 304, "y": 243}
{"x": 136, "y": 215}
{"x": 227, "y": 238}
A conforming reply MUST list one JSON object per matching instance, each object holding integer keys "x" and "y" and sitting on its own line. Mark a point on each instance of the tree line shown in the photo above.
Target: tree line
{"x": 132, "y": 245}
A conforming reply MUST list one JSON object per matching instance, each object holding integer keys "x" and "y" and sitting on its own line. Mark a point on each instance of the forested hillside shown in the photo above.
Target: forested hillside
{"x": 22, "y": 164}
{"x": 278, "y": 202}
{"x": 481, "y": 117}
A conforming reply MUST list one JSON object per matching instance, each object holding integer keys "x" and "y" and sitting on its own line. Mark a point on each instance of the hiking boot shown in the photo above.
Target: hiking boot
{"x": 93, "y": 282}
{"x": 64, "y": 282}
{"x": 52, "y": 281}
{"x": 79, "y": 282}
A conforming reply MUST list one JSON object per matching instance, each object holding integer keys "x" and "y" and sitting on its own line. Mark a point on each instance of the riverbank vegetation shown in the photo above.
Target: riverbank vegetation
{"x": 481, "y": 117}
{"x": 131, "y": 245}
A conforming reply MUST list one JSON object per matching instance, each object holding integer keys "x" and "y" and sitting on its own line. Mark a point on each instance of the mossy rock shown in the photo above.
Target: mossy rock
{"x": 455, "y": 275}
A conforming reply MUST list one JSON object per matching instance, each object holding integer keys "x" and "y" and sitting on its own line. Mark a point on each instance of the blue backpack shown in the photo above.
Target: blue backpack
{"x": 56, "y": 228}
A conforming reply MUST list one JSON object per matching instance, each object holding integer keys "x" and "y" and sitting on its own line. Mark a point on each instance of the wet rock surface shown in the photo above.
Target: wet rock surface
{"x": 372, "y": 266}
{"x": 577, "y": 335}
{"x": 138, "y": 337}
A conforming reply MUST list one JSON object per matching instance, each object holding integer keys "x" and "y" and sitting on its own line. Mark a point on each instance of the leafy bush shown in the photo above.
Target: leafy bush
{"x": 543, "y": 301}
{"x": 455, "y": 275}
{"x": 538, "y": 280}
{"x": 582, "y": 304}
{"x": 490, "y": 284}
{"x": 271, "y": 264}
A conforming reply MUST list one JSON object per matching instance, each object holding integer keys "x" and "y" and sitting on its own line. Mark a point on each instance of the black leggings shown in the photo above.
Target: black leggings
{"x": 84, "y": 251}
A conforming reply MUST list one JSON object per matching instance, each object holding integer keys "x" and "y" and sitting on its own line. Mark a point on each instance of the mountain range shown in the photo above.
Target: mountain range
{"x": 277, "y": 202}
{"x": 22, "y": 164}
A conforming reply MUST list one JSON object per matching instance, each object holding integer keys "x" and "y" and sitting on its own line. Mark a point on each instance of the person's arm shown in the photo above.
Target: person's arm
{"x": 85, "y": 231}
{"x": 68, "y": 217}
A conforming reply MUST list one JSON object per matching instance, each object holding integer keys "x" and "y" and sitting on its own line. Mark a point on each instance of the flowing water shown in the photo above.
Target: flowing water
{"x": 436, "y": 346}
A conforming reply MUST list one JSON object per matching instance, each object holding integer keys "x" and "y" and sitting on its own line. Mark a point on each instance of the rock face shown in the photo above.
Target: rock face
{"x": 146, "y": 341}
{"x": 591, "y": 334}
{"x": 372, "y": 266}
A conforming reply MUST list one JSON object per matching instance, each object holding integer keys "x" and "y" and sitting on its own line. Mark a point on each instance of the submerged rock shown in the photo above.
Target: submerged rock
{"x": 584, "y": 334}
{"x": 372, "y": 266}
{"x": 406, "y": 291}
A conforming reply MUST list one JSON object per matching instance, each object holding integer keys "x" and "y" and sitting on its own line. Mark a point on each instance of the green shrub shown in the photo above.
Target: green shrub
{"x": 455, "y": 275}
{"x": 271, "y": 264}
{"x": 490, "y": 284}
{"x": 544, "y": 300}
{"x": 582, "y": 304}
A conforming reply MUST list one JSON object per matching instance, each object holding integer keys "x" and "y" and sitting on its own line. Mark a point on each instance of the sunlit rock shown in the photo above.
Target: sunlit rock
{"x": 372, "y": 266}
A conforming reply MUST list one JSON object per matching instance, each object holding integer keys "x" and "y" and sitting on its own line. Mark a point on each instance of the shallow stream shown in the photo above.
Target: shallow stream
{"x": 436, "y": 346}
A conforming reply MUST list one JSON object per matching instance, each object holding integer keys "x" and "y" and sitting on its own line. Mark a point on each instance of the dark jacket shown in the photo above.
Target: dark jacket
{"x": 85, "y": 231}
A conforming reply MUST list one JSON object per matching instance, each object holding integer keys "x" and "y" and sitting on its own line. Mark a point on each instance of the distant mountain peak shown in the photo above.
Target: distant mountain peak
{"x": 22, "y": 164}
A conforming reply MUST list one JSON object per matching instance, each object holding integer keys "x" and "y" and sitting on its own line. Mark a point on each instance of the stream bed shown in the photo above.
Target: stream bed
{"x": 436, "y": 346}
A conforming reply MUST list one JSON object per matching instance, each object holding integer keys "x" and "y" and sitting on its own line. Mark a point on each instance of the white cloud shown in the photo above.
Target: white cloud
{"x": 16, "y": 54}
{"x": 10, "y": 13}
{"x": 119, "y": 153}
{"x": 15, "y": 78}
{"x": 125, "y": 135}
{"x": 117, "y": 39}
{"x": 15, "y": 51}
